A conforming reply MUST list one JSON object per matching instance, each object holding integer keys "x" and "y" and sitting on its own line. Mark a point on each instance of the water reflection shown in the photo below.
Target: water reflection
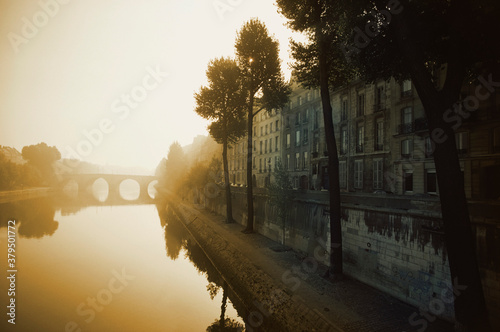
{"x": 70, "y": 257}
{"x": 178, "y": 239}
{"x": 34, "y": 218}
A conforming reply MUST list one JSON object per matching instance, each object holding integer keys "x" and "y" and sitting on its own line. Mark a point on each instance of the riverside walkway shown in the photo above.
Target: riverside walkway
{"x": 344, "y": 305}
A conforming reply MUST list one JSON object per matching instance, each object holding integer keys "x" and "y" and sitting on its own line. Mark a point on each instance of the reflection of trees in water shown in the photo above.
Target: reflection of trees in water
{"x": 178, "y": 238}
{"x": 34, "y": 217}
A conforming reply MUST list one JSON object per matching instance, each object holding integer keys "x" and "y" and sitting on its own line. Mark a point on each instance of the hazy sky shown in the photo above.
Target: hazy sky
{"x": 90, "y": 76}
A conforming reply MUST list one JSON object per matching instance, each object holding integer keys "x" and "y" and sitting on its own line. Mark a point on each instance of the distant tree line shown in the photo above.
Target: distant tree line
{"x": 37, "y": 171}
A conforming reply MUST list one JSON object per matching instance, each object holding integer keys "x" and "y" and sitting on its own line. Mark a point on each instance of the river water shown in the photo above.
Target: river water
{"x": 122, "y": 267}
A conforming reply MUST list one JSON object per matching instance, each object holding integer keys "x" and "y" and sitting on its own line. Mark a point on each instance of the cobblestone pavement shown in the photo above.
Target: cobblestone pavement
{"x": 342, "y": 305}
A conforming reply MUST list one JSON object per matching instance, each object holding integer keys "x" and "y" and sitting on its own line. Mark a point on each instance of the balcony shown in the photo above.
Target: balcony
{"x": 411, "y": 127}
{"x": 406, "y": 94}
{"x": 378, "y": 107}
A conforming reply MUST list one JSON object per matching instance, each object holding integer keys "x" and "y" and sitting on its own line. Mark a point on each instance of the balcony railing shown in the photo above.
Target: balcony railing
{"x": 411, "y": 127}
{"x": 406, "y": 94}
{"x": 378, "y": 107}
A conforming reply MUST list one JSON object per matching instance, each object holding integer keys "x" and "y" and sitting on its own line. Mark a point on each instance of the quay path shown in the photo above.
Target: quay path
{"x": 288, "y": 294}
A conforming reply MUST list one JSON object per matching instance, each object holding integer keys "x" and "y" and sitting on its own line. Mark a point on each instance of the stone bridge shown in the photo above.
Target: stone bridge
{"x": 86, "y": 181}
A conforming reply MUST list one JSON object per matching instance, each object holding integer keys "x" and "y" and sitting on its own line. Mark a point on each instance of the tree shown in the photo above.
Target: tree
{"x": 317, "y": 65}
{"x": 174, "y": 168}
{"x": 409, "y": 40}
{"x": 257, "y": 57}
{"x": 223, "y": 102}
{"x": 281, "y": 194}
{"x": 42, "y": 157}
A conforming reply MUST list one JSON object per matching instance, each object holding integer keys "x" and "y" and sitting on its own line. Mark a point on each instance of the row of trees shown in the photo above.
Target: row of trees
{"x": 380, "y": 39}
{"x": 371, "y": 40}
{"x": 237, "y": 90}
{"x": 38, "y": 171}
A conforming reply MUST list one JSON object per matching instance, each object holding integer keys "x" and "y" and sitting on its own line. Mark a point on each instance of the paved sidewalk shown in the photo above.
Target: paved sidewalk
{"x": 348, "y": 305}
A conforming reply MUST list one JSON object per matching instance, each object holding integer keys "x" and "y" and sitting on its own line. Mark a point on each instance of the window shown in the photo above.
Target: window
{"x": 255, "y": 130}
{"x": 265, "y": 146}
{"x": 308, "y": 96}
{"x": 261, "y": 131}
{"x": 406, "y": 125}
{"x": 288, "y": 140}
{"x": 360, "y": 136}
{"x": 343, "y": 140}
{"x": 260, "y": 165}
{"x": 255, "y": 146}
{"x": 379, "y": 134}
{"x": 343, "y": 111}
{"x": 406, "y": 148}
{"x": 291, "y": 104}
{"x": 276, "y": 143}
{"x": 271, "y": 127}
{"x": 297, "y": 160}
{"x": 379, "y": 98}
{"x": 343, "y": 174}
{"x": 254, "y": 165}
{"x": 288, "y": 166}
{"x": 361, "y": 104}
{"x": 429, "y": 147}
{"x": 260, "y": 147}
{"x": 461, "y": 139}
{"x": 430, "y": 181}
{"x": 306, "y": 116}
{"x": 315, "y": 147}
{"x": 266, "y": 129}
{"x": 316, "y": 120}
{"x": 406, "y": 88}
{"x": 377, "y": 173}
{"x": 287, "y": 121}
{"x": 305, "y": 160}
{"x": 277, "y": 125}
{"x": 358, "y": 174}
{"x": 297, "y": 119}
{"x": 297, "y": 138}
{"x": 270, "y": 145}
{"x": 299, "y": 99}
{"x": 306, "y": 135}
{"x": 408, "y": 181}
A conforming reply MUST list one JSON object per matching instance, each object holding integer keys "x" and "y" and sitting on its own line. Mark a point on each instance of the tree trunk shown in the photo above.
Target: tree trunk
{"x": 469, "y": 303}
{"x": 227, "y": 185}
{"x": 249, "y": 228}
{"x": 336, "y": 267}
{"x": 223, "y": 309}
{"x": 470, "y": 306}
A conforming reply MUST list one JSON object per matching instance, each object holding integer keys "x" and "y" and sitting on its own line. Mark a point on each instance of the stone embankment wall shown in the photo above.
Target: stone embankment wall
{"x": 392, "y": 243}
{"x": 270, "y": 308}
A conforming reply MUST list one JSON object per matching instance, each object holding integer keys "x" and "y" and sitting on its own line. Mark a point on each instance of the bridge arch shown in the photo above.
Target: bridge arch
{"x": 85, "y": 182}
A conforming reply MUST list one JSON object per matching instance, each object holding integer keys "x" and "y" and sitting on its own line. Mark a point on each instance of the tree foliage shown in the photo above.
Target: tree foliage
{"x": 257, "y": 56}
{"x": 42, "y": 157}
{"x": 222, "y": 101}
